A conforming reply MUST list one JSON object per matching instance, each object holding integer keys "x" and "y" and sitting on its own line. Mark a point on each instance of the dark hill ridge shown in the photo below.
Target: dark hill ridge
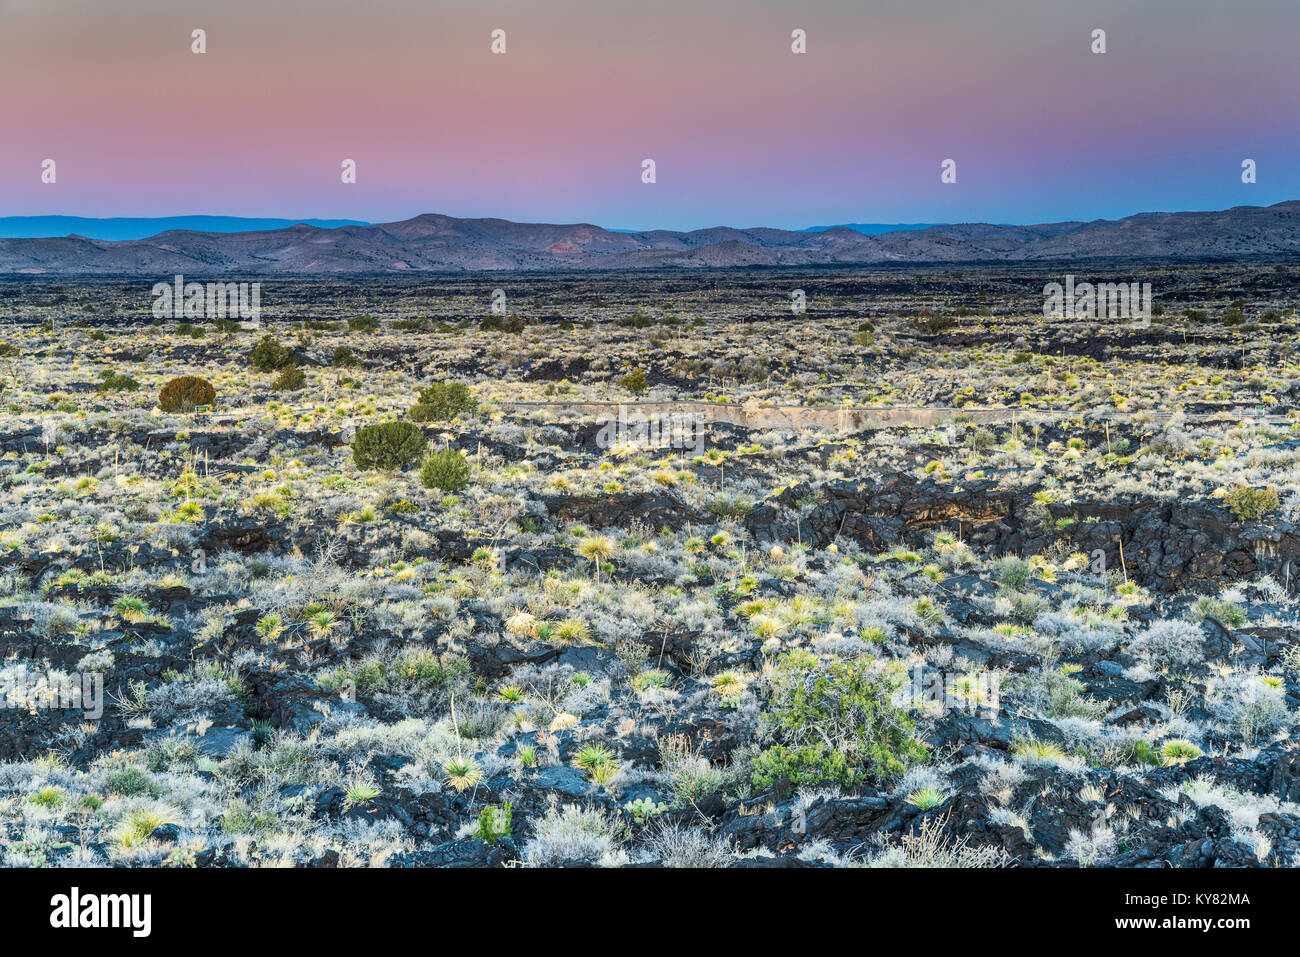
{"x": 433, "y": 242}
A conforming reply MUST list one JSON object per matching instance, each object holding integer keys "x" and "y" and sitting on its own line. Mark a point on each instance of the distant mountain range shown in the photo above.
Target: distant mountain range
{"x": 868, "y": 229}
{"x": 131, "y": 227}
{"x": 436, "y": 243}
{"x": 142, "y": 227}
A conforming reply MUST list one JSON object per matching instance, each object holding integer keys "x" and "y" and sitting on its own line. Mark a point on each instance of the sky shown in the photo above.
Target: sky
{"x": 743, "y": 131}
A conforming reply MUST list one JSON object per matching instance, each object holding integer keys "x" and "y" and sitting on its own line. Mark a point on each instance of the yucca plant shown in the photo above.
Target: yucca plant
{"x": 598, "y": 761}
{"x": 605, "y": 773}
{"x": 131, "y": 609}
{"x": 595, "y": 549}
{"x": 270, "y": 626}
{"x": 925, "y": 798}
{"x": 462, "y": 773}
{"x": 359, "y": 792}
{"x": 728, "y": 684}
{"x": 1180, "y": 751}
{"x": 571, "y": 630}
{"x": 321, "y": 624}
{"x": 593, "y": 755}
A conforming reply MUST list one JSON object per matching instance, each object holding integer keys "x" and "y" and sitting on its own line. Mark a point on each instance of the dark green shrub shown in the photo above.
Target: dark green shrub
{"x": 268, "y": 355}
{"x": 834, "y": 721}
{"x": 446, "y": 470}
{"x": 130, "y": 781}
{"x": 389, "y": 445}
{"x": 290, "y": 379}
{"x": 118, "y": 382}
{"x": 363, "y": 323}
{"x": 932, "y": 323}
{"x": 443, "y": 401}
{"x": 635, "y": 382}
{"x": 343, "y": 356}
{"x": 185, "y": 394}
{"x": 511, "y": 324}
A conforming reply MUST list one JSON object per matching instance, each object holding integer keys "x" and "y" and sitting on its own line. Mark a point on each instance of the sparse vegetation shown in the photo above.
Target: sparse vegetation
{"x": 937, "y": 582}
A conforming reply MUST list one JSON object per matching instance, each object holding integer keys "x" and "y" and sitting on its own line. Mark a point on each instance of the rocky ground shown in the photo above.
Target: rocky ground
{"x": 1065, "y": 637}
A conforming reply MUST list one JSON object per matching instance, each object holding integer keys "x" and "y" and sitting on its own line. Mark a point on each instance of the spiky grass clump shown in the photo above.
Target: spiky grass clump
{"x": 925, "y": 798}
{"x": 462, "y": 773}
{"x": 599, "y": 763}
{"x": 138, "y": 826}
{"x": 1180, "y": 751}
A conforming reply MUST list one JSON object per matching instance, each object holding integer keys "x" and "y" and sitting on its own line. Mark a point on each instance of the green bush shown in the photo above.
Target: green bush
{"x": 268, "y": 355}
{"x": 931, "y": 323}
{"x": 446, "y": 470}
{"x": 511, "y": 324}
{"x": 443, "y": 401}
{"x": 1141, "y": 752}
{"x": 343, "y": 356}
{"x": 185, "y": 394}
{"x": 494, "y": 824}
{"x": 390, "y": 445}
{"x": 363, "y": 323}
{"x": 117, "y": 382}
{"x": 1250, "y": 503}
{"x": 634, "y": 381}
{"x": 290, "y": 379}
{"x": 835, "y": 722}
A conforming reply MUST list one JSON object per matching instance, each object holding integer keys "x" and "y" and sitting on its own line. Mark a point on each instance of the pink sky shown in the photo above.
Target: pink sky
{"x": 743, "y": 131}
